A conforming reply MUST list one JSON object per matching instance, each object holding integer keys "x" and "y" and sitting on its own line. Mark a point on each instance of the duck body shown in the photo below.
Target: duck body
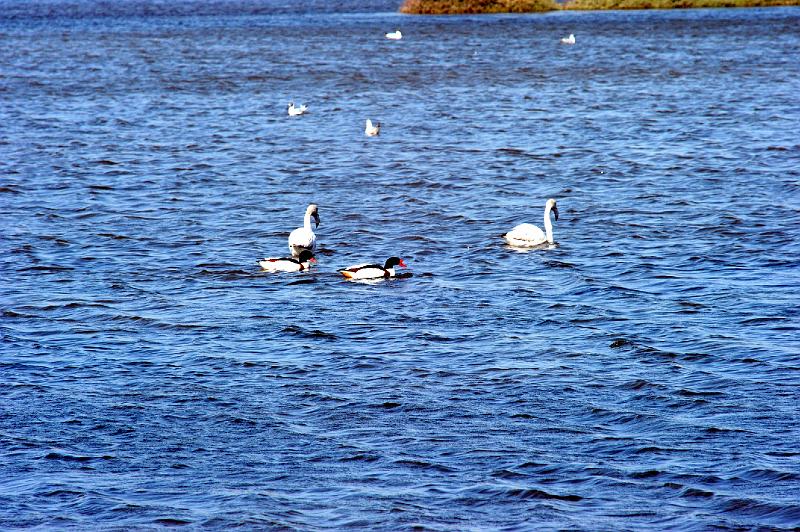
{"x": 288, "y": 264}
{"x": 296, "y": 111}
{"x": 528, "y": 235}
{"x": 394, "y": 36}
{"x": 372, "y": 130}
{"x": 568, "y": 40}
{"x": 304, "y": 238}
{"x": 373, "y": 271}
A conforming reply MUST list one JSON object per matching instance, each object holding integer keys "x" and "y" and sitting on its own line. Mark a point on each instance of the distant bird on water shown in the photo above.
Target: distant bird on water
{"x": 372, "y": 130}
{"x": 395, "y": 35}
{"x": 296, "y": 111}
{"x": 528, "y": 235}
{"x": 568, "y": 40}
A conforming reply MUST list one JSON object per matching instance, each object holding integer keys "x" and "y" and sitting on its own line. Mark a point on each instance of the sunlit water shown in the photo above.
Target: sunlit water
{"x": 641, "y": 374}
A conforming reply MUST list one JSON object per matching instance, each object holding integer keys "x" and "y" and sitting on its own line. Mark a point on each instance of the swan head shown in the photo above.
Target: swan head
{"x": 391, "y": 262}
{"x": 314, "y": 213}
{"x": 306, "y": 256}
{"x": 551, "y": 206}
{"x": 290, "y": 104}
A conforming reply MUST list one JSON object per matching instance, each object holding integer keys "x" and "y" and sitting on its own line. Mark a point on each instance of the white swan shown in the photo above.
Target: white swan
{"x": 373, "y": 271}
{"x": 372, "y": 130}
{"x": 288, "y": 264}
{"x": 304, "y": 237}
{"x": 296, "y": 111}
{"x": 568, "y": 40}
{"x": 528, "y": 235}
{"x": 395, "y": 35}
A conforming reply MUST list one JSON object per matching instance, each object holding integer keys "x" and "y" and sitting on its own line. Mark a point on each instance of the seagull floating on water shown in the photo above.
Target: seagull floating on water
{"x": 288, "y": 264}
{"x": 372, "y": 130}
{"x": 568, "y": 40}
{"x": 303, "y": 238}
{"x": 395, "y": 35}
{"x": 528, "y": 235}
{"x": 296, "y": 111}
{"x": 373, "y": 271}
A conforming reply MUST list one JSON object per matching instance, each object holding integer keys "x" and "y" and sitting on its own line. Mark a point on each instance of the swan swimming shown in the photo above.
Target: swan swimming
{"x": 528, "y": 235}
{"x": 372, "y": 130}
{"x": 303, "y": 238}
{"x": 568, "y": 40}
{"x": 395, "y": 35}
{"x": 296, "y": 111}
{"x": 288, "y": 264}
{"x": 373, "y": 271}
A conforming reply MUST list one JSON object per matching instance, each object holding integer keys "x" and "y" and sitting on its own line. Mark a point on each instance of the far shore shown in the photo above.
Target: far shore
{"x": 454, "y": 7}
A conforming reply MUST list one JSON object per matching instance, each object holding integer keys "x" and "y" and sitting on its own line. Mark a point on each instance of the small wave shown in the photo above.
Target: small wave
{"x": 421, "y": 464}
{"x": 785, "y": 514}
{"x": 172, "y": 521}
{"x": 296, "y": 330}
{"x": 54, "y": 455}
{"x": 695, "y": 492}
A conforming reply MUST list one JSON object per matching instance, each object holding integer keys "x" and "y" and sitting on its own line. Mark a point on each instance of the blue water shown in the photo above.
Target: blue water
{"x": 641, "y": 374}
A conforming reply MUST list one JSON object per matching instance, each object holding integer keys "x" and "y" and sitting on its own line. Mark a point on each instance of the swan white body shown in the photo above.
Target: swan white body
{"x": 568, "y": 40}
{"x": 528, "y": 235}
{"x": 371, "y": 130}
{"x": 296, "y": 111}
{"x": 288, "y": 264}
{"x": 395, "y": 35}
{"x": 373, "y": 271}
{"x": 303, "y": 238}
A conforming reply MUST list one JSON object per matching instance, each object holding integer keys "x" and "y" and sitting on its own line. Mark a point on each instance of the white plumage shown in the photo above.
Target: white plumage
{"x": 288, "y": 264}
{"x": 371, "y": 130}
{"x": 296, "y": 111}
{"x": 304, "y": 238}
{"x": 528, "y": 235}
{"x": 395, "y": 35}
{"x": 373, "y": 271}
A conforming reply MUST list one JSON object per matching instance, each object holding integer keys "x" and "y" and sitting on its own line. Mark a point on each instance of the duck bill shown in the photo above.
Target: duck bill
{"x": 403, "y": 264}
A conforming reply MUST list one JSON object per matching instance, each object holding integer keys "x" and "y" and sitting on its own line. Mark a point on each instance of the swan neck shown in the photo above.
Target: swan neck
{"x": 548, "y": 226}
{"x": 307, "y": 221}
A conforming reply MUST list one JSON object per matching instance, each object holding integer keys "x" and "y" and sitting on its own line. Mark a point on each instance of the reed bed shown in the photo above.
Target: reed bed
{"x": 451, "y": 7}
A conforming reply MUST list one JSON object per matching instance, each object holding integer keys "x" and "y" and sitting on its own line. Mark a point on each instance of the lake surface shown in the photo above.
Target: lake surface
{"x": 643, "y": 373}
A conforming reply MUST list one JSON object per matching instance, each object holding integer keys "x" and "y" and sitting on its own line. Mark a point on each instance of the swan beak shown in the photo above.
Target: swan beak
{"x": 555, "y": 212}
{"x": 316, "y": 218}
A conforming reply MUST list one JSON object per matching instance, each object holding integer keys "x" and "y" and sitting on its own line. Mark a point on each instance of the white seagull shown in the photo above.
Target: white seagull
{"x": 372, "y": 130}
{"x": 528, "y": 235}
{"x": 303, "y": 237}
{"x": 395, "y": 35}
{"x": 568, "y": 40}
{"x": 296, "y": 111}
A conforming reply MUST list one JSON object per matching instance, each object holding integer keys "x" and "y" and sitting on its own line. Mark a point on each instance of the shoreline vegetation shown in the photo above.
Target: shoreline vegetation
{"x": 456, "y": 7}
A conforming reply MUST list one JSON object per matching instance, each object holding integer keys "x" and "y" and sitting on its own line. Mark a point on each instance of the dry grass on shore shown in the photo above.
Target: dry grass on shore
{"x": 671, "y": 4}
{"x": 450, "y": 7}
